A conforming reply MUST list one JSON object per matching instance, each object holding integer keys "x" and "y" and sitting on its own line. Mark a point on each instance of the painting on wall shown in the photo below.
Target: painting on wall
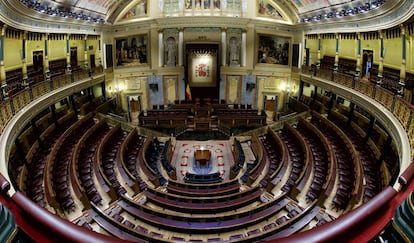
{"x": 273, "y": 50}
{"x": 139, "y": 10}
{"x": 203, "y": 66}
{"x": 131, "y": 50}
{"x": 266, "y": 9}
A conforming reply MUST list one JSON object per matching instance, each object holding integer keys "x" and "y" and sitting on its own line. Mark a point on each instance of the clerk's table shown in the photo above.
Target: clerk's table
{"x": 202, "y": 157}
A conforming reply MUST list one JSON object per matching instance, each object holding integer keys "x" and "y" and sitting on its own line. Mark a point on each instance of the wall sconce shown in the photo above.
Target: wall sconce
{"x": 250, "y": 86}
{"x": 153, "y": 87}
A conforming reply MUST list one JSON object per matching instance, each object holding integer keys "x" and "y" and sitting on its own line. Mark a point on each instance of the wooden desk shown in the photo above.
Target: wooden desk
{"x": 202, "y": 157}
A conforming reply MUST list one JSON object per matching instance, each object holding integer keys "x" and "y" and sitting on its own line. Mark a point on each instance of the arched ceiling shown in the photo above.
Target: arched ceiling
{"x": 311, "y": 16}
{"x": 104, "y": 7}
{"x": 107, "y": 10}
{"x": 98, "y": 6}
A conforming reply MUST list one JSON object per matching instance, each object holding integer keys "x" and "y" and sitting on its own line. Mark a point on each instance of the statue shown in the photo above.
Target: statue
{"x": 234, "y": 51}
{"x": 171, "y": 51}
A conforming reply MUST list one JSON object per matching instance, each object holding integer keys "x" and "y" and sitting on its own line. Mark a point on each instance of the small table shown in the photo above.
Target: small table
{"x": 202, "y": 157}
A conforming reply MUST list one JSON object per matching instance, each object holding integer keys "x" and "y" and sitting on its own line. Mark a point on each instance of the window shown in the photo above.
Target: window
{"x": 202, "y": 7}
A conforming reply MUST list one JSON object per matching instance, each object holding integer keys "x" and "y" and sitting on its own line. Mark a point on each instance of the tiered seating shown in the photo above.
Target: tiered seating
{"x": 204, "y": 223}
{"x": 170, "y": 118}
{"x": 347, "y": 161}
{"x": 203, "y": 179}
{"x": 191, "y": 204}
{"x": 240, "y": 117}
{"x": 256, "y": 168}
{"x": 295, "y": 220}
{"x": 165, "y": 160}
{"x": 107, "y": 156}
{"x": 57, "y": 67}
{"x": 59, "y": 160}
{"x": 90, "y": 105}
{"x": 37, "y": 161}
{"x": 321, "y": 158}
{"x": 182, "y": 115}
{"x": 84, "y": 158}
{"x": 152, "y": 152}
{"x": 129, "y": 159}
{"x": 239, "y": 159}
{"x": 367, "y": 155}
{"x": 323, "y": 219}
{"x": 112, "y": 222}
{"x": 274, "y": 219}
{"x": 205, "y": 190}
{"x": 297, "y": 155}
{"x": 276, "y": 154}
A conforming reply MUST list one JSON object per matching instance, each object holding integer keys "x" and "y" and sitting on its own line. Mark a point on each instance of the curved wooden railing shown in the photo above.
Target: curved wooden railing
{"x": 347, "y": 226}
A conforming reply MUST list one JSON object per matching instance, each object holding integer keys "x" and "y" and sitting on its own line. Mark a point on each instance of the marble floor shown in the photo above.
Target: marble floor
{"x": 221, "y": 157}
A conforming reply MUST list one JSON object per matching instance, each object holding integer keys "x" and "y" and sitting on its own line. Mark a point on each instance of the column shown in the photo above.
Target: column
{"x": 20, "y": 152}
{"x": 160, "y": 48}
{"x": 85, "y": 51}
{"x": 23, "y": 55}
{"x": 401, "y": 83}
{"x": 381, "y": 59}
{"x": 54, "y": 116}
{"x": 103, "y": 88}
{"x": 358, "y": 64}
{"x": 243, "y": 48}
{"x": 100, "y": 50}
{"x": 36, "y": 131}
{"x": 180, "y": 46}
{"x": 73, "y": 104}
{"x": 304, "y": 52}
{"x": 223, "y": 46}
{"x": 3, "y": 85}
{"x": 318, "y": 64}
{"x": 46, "y": 64}
{"x": 68, "y": 65}
{"x": 336, "y": 52}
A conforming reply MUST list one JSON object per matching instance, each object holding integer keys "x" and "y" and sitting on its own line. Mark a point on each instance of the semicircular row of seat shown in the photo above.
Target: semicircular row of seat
{"x": 98, "y": 169}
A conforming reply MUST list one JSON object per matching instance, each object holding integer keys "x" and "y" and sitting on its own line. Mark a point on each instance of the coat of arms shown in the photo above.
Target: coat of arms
{"x": 202, "y": 70}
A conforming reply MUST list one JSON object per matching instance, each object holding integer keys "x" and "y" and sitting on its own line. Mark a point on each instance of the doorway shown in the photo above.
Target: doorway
{"x": 134, "y": 107}
{"x": 367, "y": 59}
{"x": 270, "y": 104}
{"x": 38, "y": 61}
{"x": 74, "y": 58}
{"x": 92, "y": 61}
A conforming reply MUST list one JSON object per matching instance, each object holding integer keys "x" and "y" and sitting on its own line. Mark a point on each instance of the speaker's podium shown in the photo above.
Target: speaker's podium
{"x": 202, "y": 158}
